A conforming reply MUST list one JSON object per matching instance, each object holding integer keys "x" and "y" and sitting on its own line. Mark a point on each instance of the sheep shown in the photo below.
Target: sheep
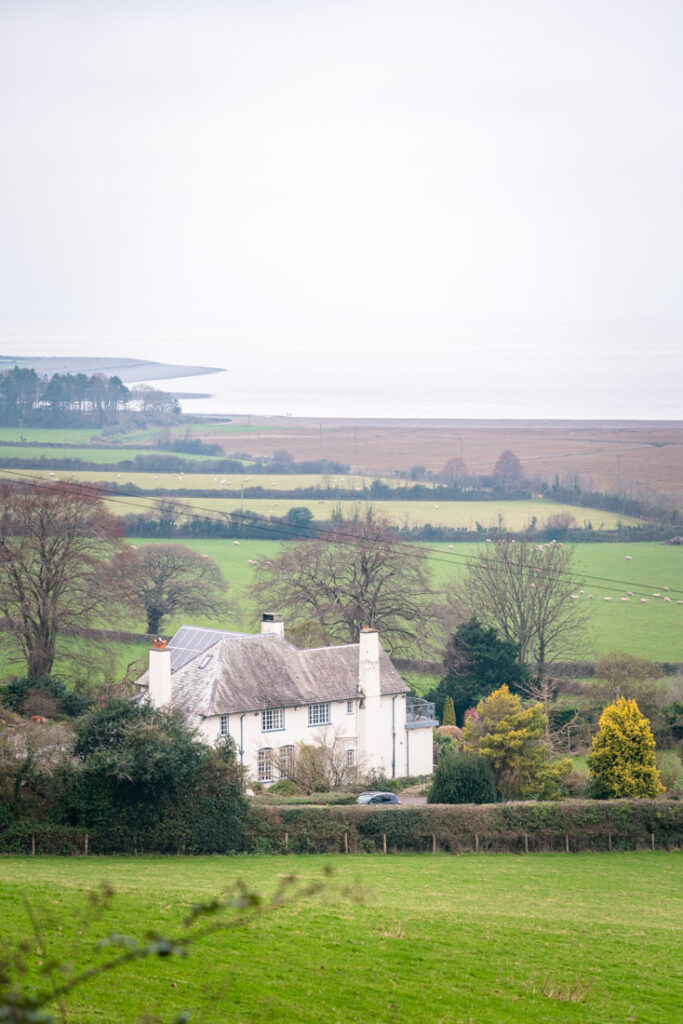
{"x": 575, "y": 597}
{"x": 236, "y": 542}
{"x": 590, "y": 597}
{"x": 628, "y": 558}
{"x": 607, "y": 598}
{"x": 629, "y": 593}
{"x": 668, "y": 599}
{"x": 624, "y": 599}
{"x": 644, "y": 600}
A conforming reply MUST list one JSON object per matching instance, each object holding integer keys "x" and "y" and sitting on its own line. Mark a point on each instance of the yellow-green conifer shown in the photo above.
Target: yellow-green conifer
{"x": 622, "y": 757}
{"x": 448, "y": 712}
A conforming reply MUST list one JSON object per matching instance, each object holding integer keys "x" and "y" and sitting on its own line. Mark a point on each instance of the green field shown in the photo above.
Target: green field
{"x": 199, "y": 481}
{"x": 581, "y": 939}
{"x": 512, "y": 515}
{"x": 103, "y": 455}
{"x": 71, "y": 435}
{"x": 652, "y": 630}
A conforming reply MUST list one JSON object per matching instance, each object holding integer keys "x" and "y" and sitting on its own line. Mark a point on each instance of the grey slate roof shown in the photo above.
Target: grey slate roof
{"x": 248, "y": 672}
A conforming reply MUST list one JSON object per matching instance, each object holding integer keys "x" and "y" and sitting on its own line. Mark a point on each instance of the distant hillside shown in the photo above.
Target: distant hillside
{"x": 127, "y": 370}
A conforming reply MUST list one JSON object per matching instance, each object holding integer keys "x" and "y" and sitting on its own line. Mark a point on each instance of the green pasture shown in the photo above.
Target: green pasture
{"x": 196, "y": 481}
{"x": 513, "y": 515}
{"x": 652, "y": 630}
{"x": 103, "y": 455}
{"x": 48, "y": 435}
{"x": 532, "y": 939}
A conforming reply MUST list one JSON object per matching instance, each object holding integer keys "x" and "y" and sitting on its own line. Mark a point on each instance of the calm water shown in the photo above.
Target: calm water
{"x": 612, "y": 372}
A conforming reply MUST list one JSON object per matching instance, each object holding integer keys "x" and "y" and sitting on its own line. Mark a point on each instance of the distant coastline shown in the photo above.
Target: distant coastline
{"x": 130, "y": 371}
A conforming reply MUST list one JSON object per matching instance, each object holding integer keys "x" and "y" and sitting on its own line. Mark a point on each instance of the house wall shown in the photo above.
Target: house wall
{"x": 384, "y": 749}
{"x": 419, "y": 751}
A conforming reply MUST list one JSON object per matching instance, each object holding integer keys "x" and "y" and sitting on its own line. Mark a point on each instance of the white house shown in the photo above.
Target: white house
{"x": 268, "y": 696}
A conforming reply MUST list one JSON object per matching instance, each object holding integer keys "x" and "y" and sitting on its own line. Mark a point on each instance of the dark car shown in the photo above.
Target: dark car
{"x": 378, "y": 798}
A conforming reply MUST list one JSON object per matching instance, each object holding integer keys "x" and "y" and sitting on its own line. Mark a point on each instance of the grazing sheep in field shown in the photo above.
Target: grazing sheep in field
{"x": 630, "y": 593}
{"x": 657, "y": 594}
{"x": 628, "y": 558}
{"x": 590, "y": 597}
{"x": 624, "y": 599}
{"x": 607, "y": 598}
{"x": 236, "y": 542}
{"x": 575, "y": 597}
{"x": 644, "y": 600}
{"x": 679, "y": 602}
{"x": 668, "y": 599}
{"x": 663, "y": 588}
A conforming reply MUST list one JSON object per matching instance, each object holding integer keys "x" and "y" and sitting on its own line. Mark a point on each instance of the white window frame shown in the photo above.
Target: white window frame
{"x": 264, "y": 764}
{"x": 350, "y": 757}
{"x": 319, "y": 714}
{"x": 224, "y": 725}
{"x": 272, "y": 719}
{"x": 286, "y": 760}
{"x": 206, "y": 661}
{"x": 349, "y": 707}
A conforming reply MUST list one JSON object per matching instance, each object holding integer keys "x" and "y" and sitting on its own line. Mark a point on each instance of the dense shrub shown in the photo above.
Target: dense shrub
{"x": 462, "y": 778}
{"x": 43, "y": 696}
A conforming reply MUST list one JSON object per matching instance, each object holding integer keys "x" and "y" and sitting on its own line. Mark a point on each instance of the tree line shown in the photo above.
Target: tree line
{"x": 31, "y": 399}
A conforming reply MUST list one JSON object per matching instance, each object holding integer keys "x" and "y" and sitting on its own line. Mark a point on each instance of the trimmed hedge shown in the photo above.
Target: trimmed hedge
{"x": 577, "y": 825}
{"x": 27, "y": 837}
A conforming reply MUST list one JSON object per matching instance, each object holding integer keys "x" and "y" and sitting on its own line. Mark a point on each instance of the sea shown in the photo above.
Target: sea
{"x": 599, "y": 372}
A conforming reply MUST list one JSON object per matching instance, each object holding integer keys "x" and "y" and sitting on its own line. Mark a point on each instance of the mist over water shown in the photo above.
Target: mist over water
{"x": 509, "y": 371}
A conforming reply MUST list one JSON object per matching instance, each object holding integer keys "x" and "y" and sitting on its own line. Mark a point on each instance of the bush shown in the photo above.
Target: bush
{"x": 462, "y": 778}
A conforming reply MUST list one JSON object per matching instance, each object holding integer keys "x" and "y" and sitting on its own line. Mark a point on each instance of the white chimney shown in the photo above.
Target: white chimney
{"x": 368, "y": 662}
{"x": 160, "y": 674}
{"x": 272, "y": 623}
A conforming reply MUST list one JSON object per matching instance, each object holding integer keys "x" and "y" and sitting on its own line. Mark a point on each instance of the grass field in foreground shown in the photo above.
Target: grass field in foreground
{"x": 653, "y": 630}
{"x": 581, "y": 939}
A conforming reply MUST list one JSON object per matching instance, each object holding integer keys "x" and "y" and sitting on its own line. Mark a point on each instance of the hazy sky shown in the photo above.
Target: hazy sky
{"x": 395, "y": 173}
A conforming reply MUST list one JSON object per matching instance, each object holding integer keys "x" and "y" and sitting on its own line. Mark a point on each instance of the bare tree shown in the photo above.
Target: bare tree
{"x": 169, "y": 578}
{"x": 507, "y": 472}
{"x": 57, "y": 577}
{"x": 527, "y": 591}
{"x": 359, "y": 575}
{"x": 322, "y": 765}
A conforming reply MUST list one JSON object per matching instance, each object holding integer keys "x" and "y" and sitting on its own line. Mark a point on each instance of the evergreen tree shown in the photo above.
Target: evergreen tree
{"x": 448, "y": 712}
{"x": 477, "y": 662}
{"x": 622, "y": 757}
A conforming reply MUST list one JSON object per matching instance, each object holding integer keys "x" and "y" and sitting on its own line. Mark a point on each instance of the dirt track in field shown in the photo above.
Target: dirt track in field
{"x": 604, "y": 454}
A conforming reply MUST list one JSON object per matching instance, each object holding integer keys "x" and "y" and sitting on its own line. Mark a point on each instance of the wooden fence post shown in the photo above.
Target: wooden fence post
{"x": 346, "y": 842}
{"x": 85, "y": 845}
{"x": 609, "y": 841}
{"x": 652, "y": 837}
{"x": 33, "y": 846}
{"x": 526, "y": 843}
{"x": 433, "y": 843}
{"x": 476, "y": 843}
{"x": 566, "y": 842}
{"x": 384, "y": 842}
{"x": 286, "y": 840}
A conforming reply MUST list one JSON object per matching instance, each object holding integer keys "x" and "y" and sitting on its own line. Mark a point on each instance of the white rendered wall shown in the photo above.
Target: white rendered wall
{"x": 384, "y": 748}
{"x": 420, "y": 752}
